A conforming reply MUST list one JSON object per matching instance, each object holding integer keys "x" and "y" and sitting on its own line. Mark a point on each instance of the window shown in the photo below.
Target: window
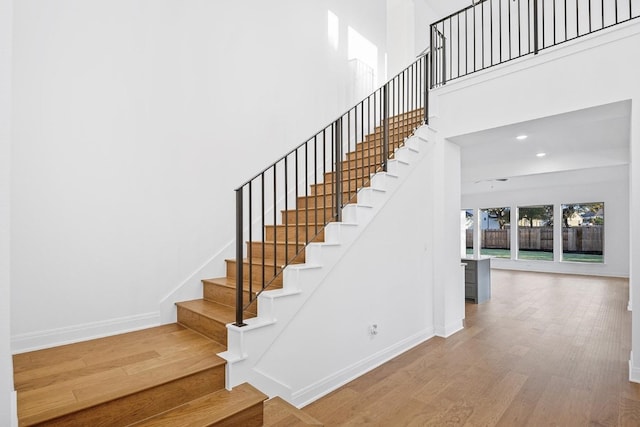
{"x": 583, "y": 232}
{"x": 535, "y": 232}
{"x": 468, "y": 227}
{"x": 496, "y": 232}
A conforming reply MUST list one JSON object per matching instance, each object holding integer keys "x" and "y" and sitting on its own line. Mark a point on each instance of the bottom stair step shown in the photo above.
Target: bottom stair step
{"x": 118, "y": 380}
{"x": 207, "y": 317}
{"x": 242, "y": 406}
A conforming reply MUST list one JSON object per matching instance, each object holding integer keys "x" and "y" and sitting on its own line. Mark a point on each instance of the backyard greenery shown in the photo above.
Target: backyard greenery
{"x": 539, "y": 255}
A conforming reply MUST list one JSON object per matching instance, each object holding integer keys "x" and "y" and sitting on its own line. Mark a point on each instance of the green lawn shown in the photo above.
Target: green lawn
{"x": 540, "y": 255}
{"x": 496, "y": 253}
{"x": 535, "y": 255}
{"x": 582, "y": 258}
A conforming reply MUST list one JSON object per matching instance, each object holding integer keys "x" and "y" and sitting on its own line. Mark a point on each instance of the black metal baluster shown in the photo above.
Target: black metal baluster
{"x": 362, "y": 138}
{"x": 466, "y": 44}
{"x": 306, "y": 202}
{"x": 433, "y": 49}
{"x": 500, "y": 29}
{"x": 482, "y": 31}
{"x": 239, "y": 255}
{"x": 286, "y": 209}
{"x": 444, "y": 61}
{"x": 355, "y": 151}
{"x": 450, "y": 45}
{"x": 529, "y": 24}
{"x": 375, "y": 139}
{"x": 426, "y": 89}
{"x": 250, "y": 249}
{"x": 385, "y": 126}
{"x": 543, "y": 26}
{"x": 324, "y": 174}
{"x": 554, "y": 21}
{"x": 315, "y": 175}
{"x": 262, "y": 228}
{"x": 535, "y": 27}
{"x": 458, "y": 38}
{"x": 566, "y": 24}
{"x": 491, "y": 31}
{"x": 519, "y": 32}
{"x": 509, "y": 15}
{"x": 474, "y": 38}
{"x": 577, "y": 19}
{"x": 337, "y": 139}
{"x": 275, "y": 221}
{"x": 349, "y": 148}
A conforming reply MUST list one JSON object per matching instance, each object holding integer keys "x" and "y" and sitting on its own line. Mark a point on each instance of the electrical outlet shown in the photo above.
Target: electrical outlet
{"x": 373, "y": 330}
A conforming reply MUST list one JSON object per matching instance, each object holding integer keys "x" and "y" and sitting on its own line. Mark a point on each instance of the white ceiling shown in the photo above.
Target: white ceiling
{"x": 590, "y": 138}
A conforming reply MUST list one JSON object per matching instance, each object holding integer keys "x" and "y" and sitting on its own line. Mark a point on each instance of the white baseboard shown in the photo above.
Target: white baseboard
{"x": 315, "y": 391}
{"x": 634, "y": 371}
{"x": 14, "y": 409}
{"x": 54, "y": 337}
{"x": 450, "y": 329}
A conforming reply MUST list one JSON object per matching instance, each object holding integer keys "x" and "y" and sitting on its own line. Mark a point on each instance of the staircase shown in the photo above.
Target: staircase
{"x": 216, "y": 309}
{"x": 172, "y": 375}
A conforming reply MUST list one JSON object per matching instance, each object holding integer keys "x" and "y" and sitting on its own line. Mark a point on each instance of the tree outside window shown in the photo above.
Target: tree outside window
{"x": 468, "y": 226}
{"x": 583, "y": 232}
{"x": 495, "y": 237}
{"x": 535, "y": 232}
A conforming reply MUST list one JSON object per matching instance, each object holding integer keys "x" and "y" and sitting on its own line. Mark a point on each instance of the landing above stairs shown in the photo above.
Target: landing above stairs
{"x": 123, "y": 379}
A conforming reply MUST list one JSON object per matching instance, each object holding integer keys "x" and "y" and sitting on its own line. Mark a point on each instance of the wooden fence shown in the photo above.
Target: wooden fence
{"x": 575, "y": 239}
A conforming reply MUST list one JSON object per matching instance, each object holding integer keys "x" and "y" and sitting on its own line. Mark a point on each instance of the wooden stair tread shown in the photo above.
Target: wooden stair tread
{"x": 83, "y": 350}
{"x": 302, "y": 224}
{"x": 129, "y": 367}
{"x": 277, "y": 242}
{"x": 309, "y": 209}
{"x": 209, "y": 309}
{"x": 231, "y": 283}
{"x": 208, "y": 410}
{"x": 259, "y": 262}
{"x": 278, "y": 412}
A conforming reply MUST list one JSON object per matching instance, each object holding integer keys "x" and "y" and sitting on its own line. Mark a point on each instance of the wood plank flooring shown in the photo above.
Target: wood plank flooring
{"x": 546, "y": 350}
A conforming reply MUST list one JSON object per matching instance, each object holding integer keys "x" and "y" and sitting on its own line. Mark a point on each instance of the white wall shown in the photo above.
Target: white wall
{"x": 609, "y": 185}
{"x": 400, "y": 33}
{"x": 133, "y": 123}
{"x": 407, "y": 31}
{"x": 7, "y": 396}
{"x": 567, "y": 78}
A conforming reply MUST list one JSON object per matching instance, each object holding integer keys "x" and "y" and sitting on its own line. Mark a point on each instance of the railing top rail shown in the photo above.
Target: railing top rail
{"x": 299, "y": 146}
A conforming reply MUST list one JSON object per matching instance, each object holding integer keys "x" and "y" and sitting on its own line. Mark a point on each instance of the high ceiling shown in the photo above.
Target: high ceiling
{"x": 595, "y": 137}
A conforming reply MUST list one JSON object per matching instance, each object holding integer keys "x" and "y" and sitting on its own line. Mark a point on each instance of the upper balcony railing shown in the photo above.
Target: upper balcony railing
{"x": 492, "y": 32}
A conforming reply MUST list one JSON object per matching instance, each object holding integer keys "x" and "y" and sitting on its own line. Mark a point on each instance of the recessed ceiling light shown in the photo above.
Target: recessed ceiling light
{"x": 521, "y": 137}
{"x": 541, "y": 154}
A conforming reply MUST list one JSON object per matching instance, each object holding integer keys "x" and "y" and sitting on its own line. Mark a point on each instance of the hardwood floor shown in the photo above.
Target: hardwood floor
{"x": 546, "y": 350}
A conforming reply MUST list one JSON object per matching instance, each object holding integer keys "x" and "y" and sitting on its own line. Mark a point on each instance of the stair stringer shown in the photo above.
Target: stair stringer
{"x": 249, "y": 344}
